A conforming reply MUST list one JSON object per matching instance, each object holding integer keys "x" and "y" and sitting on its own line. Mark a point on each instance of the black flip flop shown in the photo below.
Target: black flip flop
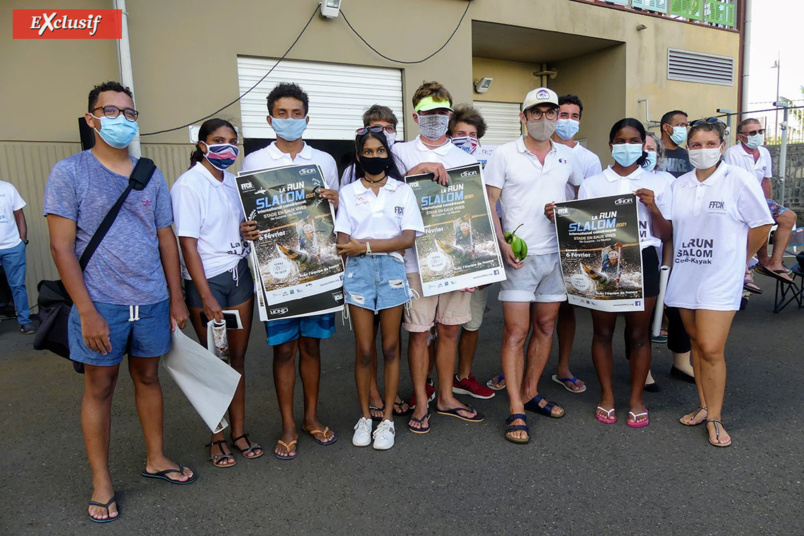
{"x": 402, "y": 413}
{"x": 423, "y": 429}
{"x": 546, "y": 410}
{"x": 375, "y": 408}
{"x": 456, "y": 413}
{"x": 775, "y": 274}
{"x": 107, "y": 505}
{"x": 162, "y": 475}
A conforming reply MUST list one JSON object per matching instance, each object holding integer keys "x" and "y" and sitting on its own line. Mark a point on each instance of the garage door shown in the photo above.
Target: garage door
{"x": 339, "y": 94}
{"x": 502, "y": 119}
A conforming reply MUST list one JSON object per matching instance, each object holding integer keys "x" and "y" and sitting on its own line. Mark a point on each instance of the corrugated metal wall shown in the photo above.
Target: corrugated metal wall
{"x": 27, "y": 165}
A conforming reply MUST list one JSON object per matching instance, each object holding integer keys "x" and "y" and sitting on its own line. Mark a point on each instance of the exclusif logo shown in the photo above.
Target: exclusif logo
{"x": 68, "y": 24}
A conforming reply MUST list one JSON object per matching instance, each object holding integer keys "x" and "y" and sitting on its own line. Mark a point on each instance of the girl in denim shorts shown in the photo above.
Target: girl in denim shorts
{"x": 378, "y": 218}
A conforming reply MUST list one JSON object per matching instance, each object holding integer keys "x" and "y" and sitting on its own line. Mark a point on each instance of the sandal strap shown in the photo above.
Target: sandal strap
{"x": 516, "y": 416}
{"x": 215, "y": 443}
{"x": 517, "y": 428}
{"x": 104, "y": 505}
{"x": 607, "y": 411}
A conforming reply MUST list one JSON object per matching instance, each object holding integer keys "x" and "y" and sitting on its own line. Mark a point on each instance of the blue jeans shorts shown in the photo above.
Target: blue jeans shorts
{"x": 375, "y": 282}
{"x": 289, "y": 329}
{"x": 141, "y": 331}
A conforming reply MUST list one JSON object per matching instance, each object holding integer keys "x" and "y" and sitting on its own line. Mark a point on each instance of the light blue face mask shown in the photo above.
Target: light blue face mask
{"x": 679, "y": 135}
{"x": 289, "y": 129}
{"x": 117, "y": 132}
{"x": 626, "y": 153}
{"x": 567, "y": 128}
{"x": 650, "y": 161}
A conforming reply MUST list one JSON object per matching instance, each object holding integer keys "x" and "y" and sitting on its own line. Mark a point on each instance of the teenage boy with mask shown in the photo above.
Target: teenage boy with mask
{"x": 674, "y": 133}
{"x": 287, "y": 114}
{"x": 523, "y": 174}
{"x": 569, "y": 123}
{"x": 433, "y": 152}
{"x": 128, "y": 298}
{"x": 378, "y": 117}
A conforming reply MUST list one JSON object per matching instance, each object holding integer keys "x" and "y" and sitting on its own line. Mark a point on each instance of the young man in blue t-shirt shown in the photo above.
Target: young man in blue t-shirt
{"x": 128, "y": 298}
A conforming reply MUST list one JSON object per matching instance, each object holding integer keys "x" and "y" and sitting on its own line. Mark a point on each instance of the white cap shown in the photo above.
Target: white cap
{"x": 540, "y": 95}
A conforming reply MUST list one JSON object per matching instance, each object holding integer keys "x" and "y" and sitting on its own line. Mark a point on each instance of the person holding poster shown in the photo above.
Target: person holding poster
{"x": 378, "y": 217}
{"x": 211, "y": 229}
{"x": 627, "y": 143}
{"x": 288, "y": 106}
{"x": 720, "y": 218}
{"x": 432, "y": 152}
{"x": 530, "y": 171}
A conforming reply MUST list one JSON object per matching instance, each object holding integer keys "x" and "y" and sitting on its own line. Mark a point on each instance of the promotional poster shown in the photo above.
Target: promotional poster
{"x": 458, "y": 249}
{"x": 296, "y": 264}
{"x": 601, "y": 261}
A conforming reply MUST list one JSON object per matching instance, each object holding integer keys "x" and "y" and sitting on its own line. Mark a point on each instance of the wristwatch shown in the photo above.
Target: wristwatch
{"x": 368, "y": 248}
{"x": 25, "y": 241}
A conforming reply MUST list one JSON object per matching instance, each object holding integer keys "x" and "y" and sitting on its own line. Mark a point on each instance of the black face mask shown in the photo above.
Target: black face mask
{"x": 375, "y": 166}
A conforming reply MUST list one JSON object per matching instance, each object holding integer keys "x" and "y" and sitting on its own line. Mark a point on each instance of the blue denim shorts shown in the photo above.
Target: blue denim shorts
{"x": 375, "y": 282}
{"x": 141, "y": 331}
{"x": 289, "y": 329}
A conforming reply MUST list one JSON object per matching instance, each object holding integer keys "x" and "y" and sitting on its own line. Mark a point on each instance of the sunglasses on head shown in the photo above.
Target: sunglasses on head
{"x": 707, "y": 121}
{"x": 376, "y": 128}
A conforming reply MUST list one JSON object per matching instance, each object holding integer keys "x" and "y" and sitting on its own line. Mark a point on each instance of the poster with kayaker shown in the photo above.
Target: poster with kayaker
{"x": 294, "y": 257}
{"x": 458, "y": 249}
{"x": 598, "y": 241}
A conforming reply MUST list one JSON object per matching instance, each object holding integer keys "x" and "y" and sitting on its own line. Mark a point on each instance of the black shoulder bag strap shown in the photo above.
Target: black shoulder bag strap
{"x": 140, "y": 176}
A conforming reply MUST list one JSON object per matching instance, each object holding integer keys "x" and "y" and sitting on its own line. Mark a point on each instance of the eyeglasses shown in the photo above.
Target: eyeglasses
{"x": 538, "y": 114}
{"x": 707, "y": 121}
{"x": 111, "y": 111}
{"x": 753, "y": 132}
{"x": 376, "y": 128}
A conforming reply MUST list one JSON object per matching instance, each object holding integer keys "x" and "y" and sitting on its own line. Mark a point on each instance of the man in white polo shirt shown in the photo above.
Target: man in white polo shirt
{"x": 750, "y": 155}
{"x": 13, "y": 242}
{"x": 433, "y": 152}
{"x": 526, "y": 174}
{"x": 288, "y": 106}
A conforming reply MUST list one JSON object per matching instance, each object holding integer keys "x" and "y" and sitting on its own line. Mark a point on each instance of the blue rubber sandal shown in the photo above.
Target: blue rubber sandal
{"x": 107, "y": 505}
{"x": 162, "y": 475}
{"x": 547, "y": 410}
{"x": 573, "y": 381}
{"x": 517, "y": 427}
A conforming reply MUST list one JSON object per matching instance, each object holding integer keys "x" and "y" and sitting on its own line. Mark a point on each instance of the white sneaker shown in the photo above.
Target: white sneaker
{"x": 362, "y": 437}
{"x": 384, "y": 435}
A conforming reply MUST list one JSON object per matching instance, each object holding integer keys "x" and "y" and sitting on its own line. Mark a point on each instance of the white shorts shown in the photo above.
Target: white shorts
{"x": 539, "y": 280}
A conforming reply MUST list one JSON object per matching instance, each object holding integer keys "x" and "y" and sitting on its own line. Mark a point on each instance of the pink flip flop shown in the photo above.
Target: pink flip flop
{"x": 608, "y": 419}
{"x": 640, "y": 424}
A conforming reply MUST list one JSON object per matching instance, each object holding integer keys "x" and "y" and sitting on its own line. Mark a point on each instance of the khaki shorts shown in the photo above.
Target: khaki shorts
{"x": 450, "y": 308}
{"x": 478, "y": 309}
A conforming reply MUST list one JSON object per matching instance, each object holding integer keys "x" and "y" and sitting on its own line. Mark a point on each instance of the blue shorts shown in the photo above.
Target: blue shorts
{"x": 375, "y": 282}
{"x": 286, "y": 330}
{"x": 148, "y": 336}
{"x": 230, "y": 288}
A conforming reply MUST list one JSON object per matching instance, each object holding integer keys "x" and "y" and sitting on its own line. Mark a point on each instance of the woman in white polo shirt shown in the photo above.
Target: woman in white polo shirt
{"x": 378, "y": 217}
{"x": 209, "y": 223}
{"x": 627, "y": 142}
{"x": 720, "y": 218}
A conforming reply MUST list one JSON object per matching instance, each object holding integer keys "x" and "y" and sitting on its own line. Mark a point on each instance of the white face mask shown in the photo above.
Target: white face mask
{"x": 433, "y": 127}
{"x": 704, "y": 158}
{"x": 752, "y": 142}
{"x": 390, "y": 138}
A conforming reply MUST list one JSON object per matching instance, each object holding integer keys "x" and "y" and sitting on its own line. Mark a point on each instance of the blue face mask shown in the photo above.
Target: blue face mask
{"x": 626, "y": 153}
{"x": 117, "y": 132}
{"x": 679, "y": 135}
{"x": 650, "y": 161}
{"x": 289, "y": 129}
{"x": 567, "y": 128}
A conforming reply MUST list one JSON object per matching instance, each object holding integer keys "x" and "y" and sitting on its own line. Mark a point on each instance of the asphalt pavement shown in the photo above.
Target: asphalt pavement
{"x": 577, "y": 476}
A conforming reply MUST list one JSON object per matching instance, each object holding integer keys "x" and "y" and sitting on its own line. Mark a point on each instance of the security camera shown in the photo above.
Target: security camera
{"x": 483, "y": 85}
{"x": 330, "y": 8}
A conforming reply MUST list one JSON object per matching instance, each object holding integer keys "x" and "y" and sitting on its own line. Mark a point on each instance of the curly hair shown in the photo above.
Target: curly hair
{"x": 432, "y": 89}
{"x": 287, "y": 89}
{"x": 466, "y": 114}
{"x": 106, "y": 86}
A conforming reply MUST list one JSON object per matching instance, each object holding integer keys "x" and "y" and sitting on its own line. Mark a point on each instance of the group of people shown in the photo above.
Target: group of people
{"x": 130, "y": 295}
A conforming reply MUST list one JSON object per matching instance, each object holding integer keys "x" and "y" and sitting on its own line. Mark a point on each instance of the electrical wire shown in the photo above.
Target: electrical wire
{"x": 465, "y": 11}
{"x": 249, "y": 89}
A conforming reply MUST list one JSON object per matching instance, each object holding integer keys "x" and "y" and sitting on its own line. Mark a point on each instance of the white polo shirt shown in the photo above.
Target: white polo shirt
{"x": 527, "y": 186}
{"x": 410, "y": 154}
{"x": 348, "y": 177}
{"x": 589, "y": 164}
{"x": 711, "y": 220}
{"x": 271, "y": 157}
{"x": 610, "y": 183}
{"x": 209, "y": 210}
{"x": 10, "y": 201}
{"x": 394, "y": 209}
{"x": 738, "y": 156}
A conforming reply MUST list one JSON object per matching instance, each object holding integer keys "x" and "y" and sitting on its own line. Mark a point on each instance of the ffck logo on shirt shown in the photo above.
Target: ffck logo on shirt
{"x": 68, "y": 24}
{"x": 717, "y": 207}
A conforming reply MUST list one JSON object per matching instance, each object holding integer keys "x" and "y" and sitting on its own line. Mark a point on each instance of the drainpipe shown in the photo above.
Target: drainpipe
{"x": 745, "y": 55}
{"x": 126, "y": 74}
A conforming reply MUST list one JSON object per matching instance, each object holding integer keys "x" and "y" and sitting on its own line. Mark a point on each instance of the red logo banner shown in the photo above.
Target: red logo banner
{"x": 68, "y": 24}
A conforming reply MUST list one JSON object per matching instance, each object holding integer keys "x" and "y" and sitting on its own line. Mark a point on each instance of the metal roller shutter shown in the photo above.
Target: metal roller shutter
{"x": 339, "y": 94}
{"x": 502, "y": 119}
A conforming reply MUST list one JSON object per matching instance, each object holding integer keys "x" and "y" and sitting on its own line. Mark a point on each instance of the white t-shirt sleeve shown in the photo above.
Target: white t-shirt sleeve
{"x": 186, "y": 210}
{"x": 664, "y": 200}
{"x": 731, "y": 157}
{"x": 752, "y": 207}
{"x": 576, "y": 174}
{"x": 494, "y": 172}
{"x": 593, "y": 166}
{"x": 16, "y": 199}
{"x": 582, "y": 191}
{"x": 412, "y": 217}
{"x": 331, "y": 174}
{"x": 764, "y": 153}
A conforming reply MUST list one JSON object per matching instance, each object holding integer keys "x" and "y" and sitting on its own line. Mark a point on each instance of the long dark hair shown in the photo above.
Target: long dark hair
{"x": 207, "y": 127}
{"x": 392, "y": 170}
{"x": 634, "y": 123}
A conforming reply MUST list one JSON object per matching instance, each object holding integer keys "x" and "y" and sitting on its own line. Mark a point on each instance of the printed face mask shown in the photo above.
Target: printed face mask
{"x": 117, "y": 132}
{"x": 541, "y": 129}
{"x": 704, "y": 158}
{"x": 567, "y": 128}
{"x": 752, "y": 142}
{"x": 626, "y": 153}
{"x": 679, "y": 135}
{"x": 467, "y": 143}
{"x": 221, "y": 155}
{"x": 289, "y": 129}
{"x": 433, "y": 127}
{"x": 650, "y": 161}
{"x": 374, "y": 166}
